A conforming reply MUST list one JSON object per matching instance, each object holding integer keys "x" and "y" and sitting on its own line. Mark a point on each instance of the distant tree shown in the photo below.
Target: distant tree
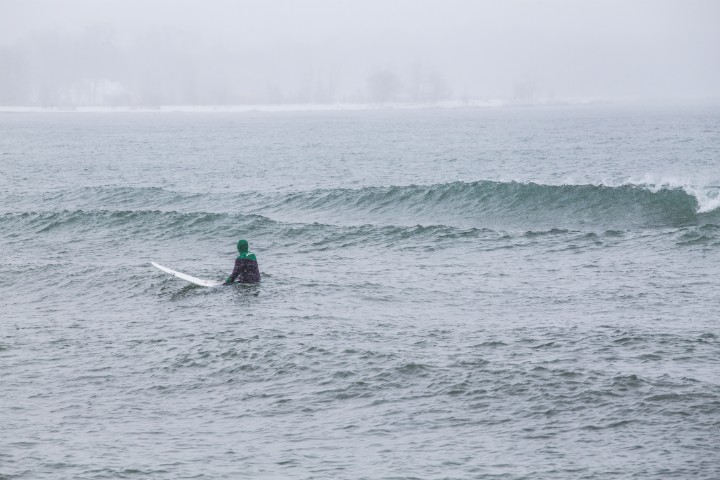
{"x": 15, "y": 78}
{"x": 437, "y": 87}
{"x": 273, "y": 94}
{"x": 427, "y": 85}
{"x": 383, "y": 87}
{"x": 528, "y": 90}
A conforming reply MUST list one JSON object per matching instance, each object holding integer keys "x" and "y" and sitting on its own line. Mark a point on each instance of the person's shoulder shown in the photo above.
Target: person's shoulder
{"x": 251, "y": 256}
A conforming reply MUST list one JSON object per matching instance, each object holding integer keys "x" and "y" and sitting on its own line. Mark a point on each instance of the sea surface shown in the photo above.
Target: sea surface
{"x": 481, "y": 293}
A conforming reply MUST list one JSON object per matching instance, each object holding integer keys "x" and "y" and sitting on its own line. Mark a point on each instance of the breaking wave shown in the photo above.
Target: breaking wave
{"x": 481, "y": 204}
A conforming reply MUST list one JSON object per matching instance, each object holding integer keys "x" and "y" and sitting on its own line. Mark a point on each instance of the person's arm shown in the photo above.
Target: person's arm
{"x": 235, "y": 273}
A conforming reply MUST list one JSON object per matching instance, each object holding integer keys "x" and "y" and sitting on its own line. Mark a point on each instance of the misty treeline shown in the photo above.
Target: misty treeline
{"x": 175, "y": 68}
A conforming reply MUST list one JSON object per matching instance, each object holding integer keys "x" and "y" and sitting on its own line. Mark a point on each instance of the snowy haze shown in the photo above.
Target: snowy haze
{"x": 152, "y": 53}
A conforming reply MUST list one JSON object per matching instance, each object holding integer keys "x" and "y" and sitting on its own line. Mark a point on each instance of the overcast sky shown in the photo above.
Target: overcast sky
{"x": 183, "y": 51}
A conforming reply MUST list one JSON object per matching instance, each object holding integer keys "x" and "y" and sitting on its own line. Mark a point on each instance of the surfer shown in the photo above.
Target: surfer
{"x": 246, "y": 266}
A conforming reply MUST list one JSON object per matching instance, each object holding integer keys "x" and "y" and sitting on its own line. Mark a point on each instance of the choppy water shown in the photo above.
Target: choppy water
{"x": 492, "y": 293}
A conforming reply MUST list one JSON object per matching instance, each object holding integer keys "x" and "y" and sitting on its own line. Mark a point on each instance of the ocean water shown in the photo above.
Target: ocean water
{"x": 514, "y": 293}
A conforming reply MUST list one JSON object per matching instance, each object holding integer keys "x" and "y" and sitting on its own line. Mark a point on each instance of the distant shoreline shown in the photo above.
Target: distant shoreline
{"x": 290, "y": 107}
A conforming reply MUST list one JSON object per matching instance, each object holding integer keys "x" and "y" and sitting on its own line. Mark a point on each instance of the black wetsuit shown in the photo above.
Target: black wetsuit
{"x": 246, "y": 271}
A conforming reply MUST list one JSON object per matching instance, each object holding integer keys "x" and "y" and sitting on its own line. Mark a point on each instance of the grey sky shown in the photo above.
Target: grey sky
{"x": 335, "y": 50}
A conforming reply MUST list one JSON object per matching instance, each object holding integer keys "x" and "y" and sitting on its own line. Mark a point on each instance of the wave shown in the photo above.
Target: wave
{"x": 510, "y": 203}
{"x": 67, "y": 228}
{"x": 146, "y": 225}
{"x": 481, "y": 204}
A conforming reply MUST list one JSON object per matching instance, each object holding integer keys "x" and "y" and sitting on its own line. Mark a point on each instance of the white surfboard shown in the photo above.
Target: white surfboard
{"x": 188, "y": 278}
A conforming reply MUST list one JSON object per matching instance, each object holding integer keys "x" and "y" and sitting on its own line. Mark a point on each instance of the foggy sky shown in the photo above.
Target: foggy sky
{"x": 212, "y": 52}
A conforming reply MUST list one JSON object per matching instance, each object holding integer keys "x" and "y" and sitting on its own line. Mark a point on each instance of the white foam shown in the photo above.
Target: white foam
{"x": 707, "y": 196}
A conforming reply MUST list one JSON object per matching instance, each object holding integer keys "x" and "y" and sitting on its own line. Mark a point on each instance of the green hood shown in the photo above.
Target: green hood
{"x": 243, "y": 249}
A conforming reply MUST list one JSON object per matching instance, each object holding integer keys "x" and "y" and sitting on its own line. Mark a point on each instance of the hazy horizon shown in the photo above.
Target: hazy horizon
{"x": 83, "y": 53}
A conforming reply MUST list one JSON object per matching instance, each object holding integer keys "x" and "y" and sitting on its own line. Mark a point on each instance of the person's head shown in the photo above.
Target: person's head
{"x": 242, "y": 246}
